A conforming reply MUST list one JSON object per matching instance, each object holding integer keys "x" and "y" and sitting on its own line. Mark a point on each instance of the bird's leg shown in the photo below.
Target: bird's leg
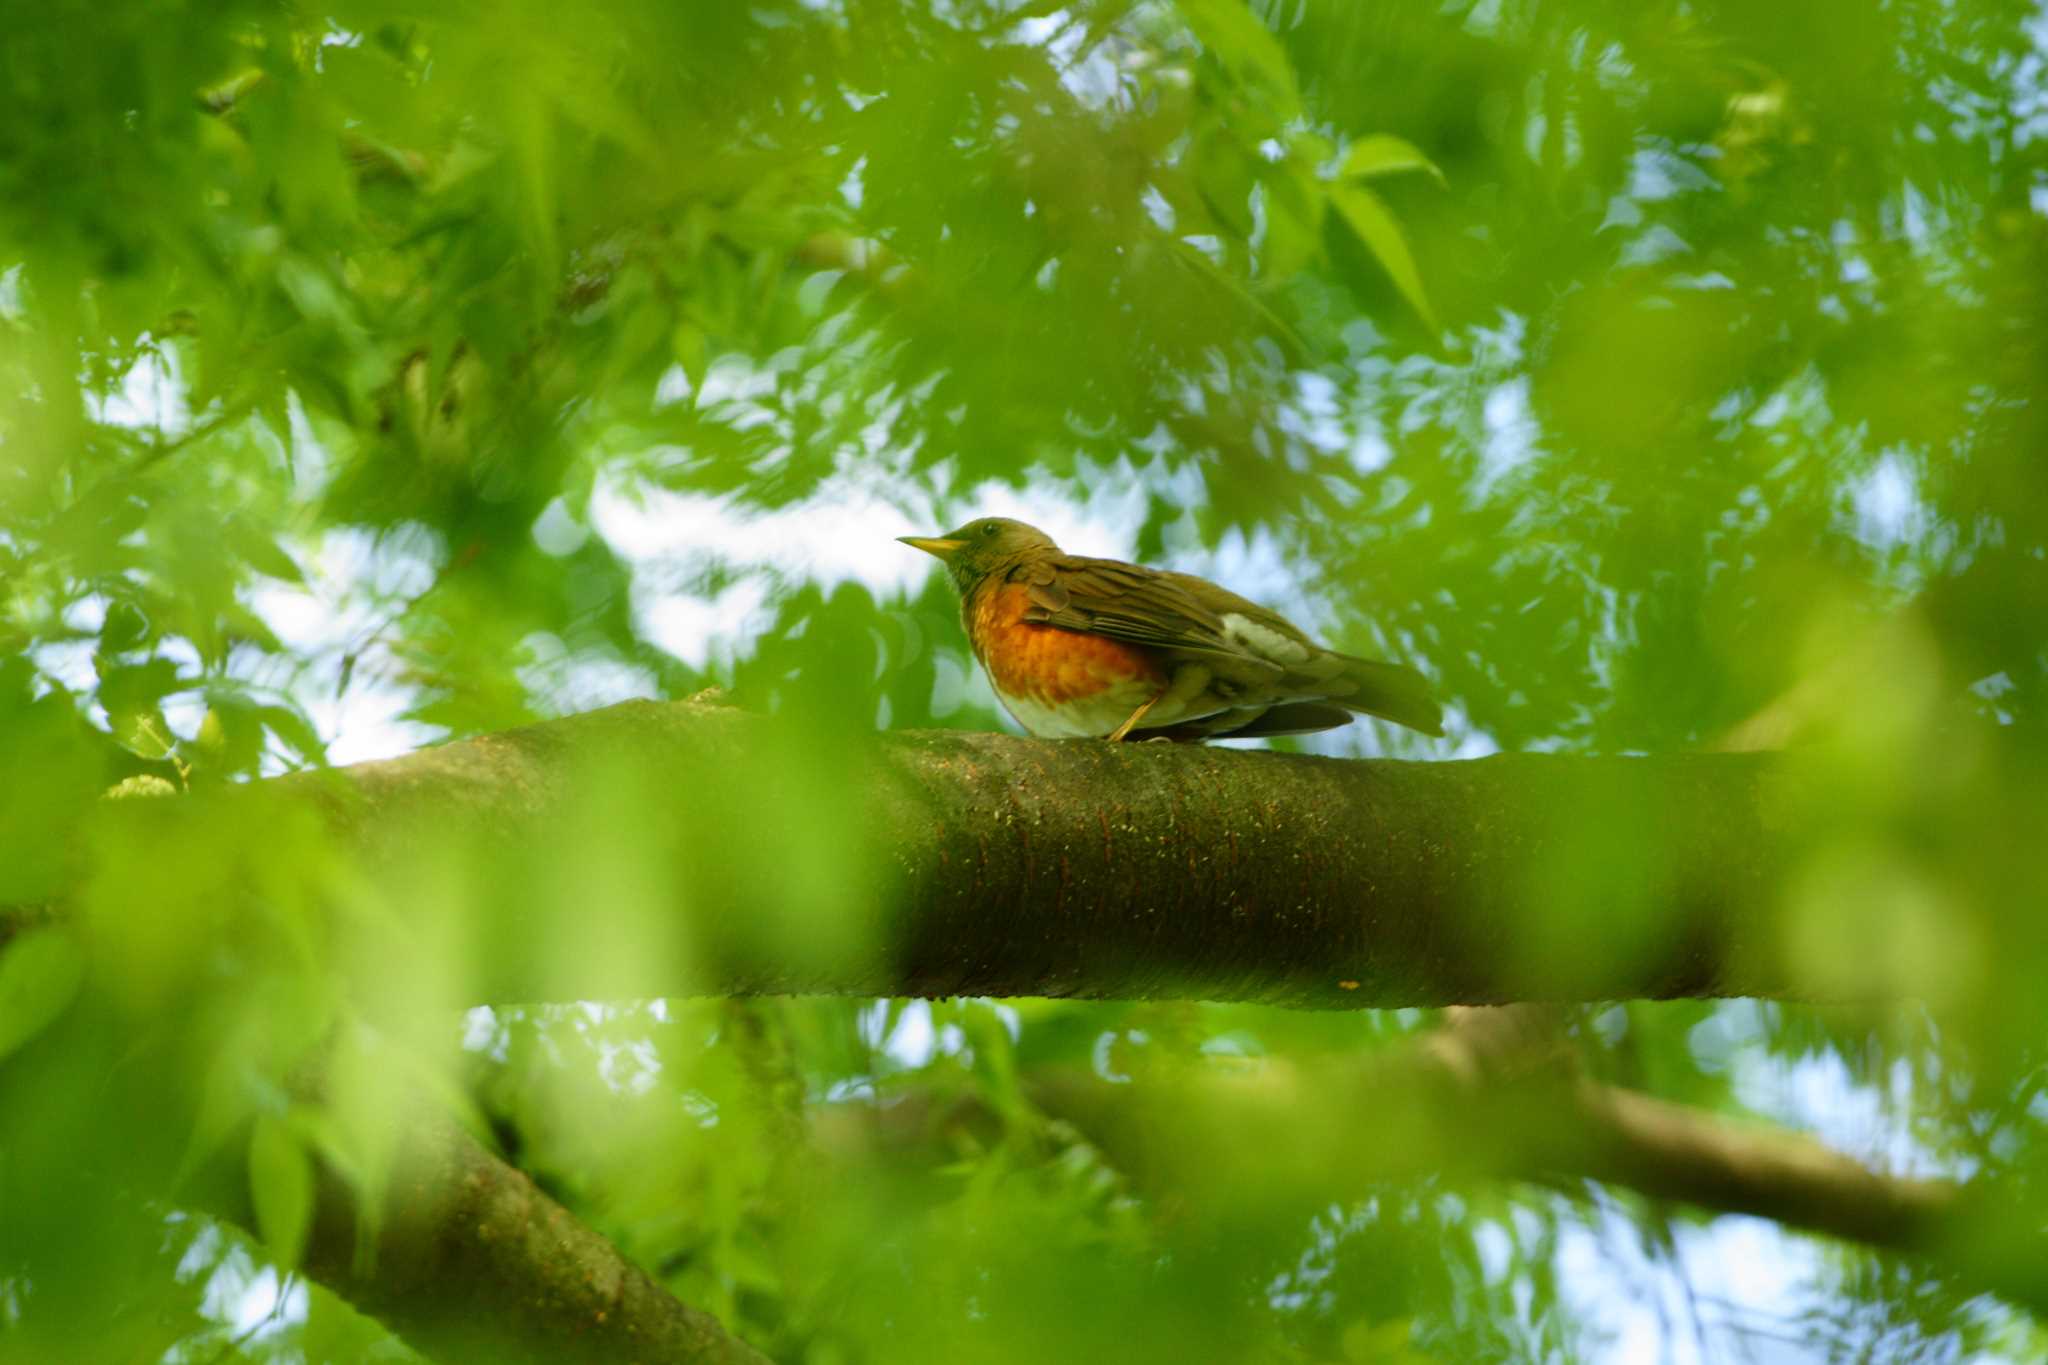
{"x": 1138, "y": 715}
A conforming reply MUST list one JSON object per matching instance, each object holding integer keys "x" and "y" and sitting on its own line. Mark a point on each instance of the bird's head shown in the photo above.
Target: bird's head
{"x": 981, "y": 547}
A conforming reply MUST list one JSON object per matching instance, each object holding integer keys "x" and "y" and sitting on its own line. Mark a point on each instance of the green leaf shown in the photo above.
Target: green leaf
{"x": 291, "y": 725}
{"x": 693, "y": 352}
{"x": 212, "y": 738}
{"x": 1384, "y": 1343}
{"x": 281, "y": 1185}
{"x": 229, "y": 739}
{"x": 1384, "y": 154}
{"x": 144, "y": 733}
{"x": 1294, "y": 221}
{"x": 124, "y": 628}
{"x": 1194, "y": 260}
{"x": 1374, "y": 223}
{"x": 138, "y": 687}
{"x": 1248, "y": 50}
{"x": 268, "y": 557}
{"x": 228, "y": 1093}
{"x": 39, "y": 975}
{"x": 1224, "y": 176}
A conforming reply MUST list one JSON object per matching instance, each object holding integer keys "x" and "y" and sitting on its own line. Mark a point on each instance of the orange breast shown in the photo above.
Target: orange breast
{"x": 1045, "y": 663}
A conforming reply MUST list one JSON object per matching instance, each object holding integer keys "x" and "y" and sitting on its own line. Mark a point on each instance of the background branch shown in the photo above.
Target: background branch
{"x": 469, "y": 1261}
{"x": 1492, "y": 1096}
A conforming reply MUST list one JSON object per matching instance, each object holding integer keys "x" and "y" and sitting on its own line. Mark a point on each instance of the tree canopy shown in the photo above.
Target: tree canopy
{"x": 1663, "y": 380}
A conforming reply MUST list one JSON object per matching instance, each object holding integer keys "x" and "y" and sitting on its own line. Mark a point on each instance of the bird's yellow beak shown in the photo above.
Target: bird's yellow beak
{"x": 933, "y": 545}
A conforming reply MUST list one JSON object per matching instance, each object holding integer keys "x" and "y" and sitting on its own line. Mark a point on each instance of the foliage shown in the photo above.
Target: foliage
{"x": 390, "y": 370}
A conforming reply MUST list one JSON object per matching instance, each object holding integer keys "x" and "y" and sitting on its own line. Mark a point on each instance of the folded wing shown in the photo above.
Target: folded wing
{"x": 1264, "y": 653}
{"x": 1132, "y": 603}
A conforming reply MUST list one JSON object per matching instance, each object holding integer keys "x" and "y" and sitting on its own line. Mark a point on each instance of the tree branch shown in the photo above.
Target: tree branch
{"x": 469, "y": 1261}
{"x": 1467, "y": 1101}
{"x": 740, "y": 855}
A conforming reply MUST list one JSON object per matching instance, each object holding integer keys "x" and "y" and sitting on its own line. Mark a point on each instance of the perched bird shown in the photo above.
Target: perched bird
{"x": 1096, "y": 647}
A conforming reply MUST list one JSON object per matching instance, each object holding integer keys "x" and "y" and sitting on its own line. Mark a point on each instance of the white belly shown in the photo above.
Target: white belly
{"x": 1084, "y": 718}
{"x": 1093, "y": 716}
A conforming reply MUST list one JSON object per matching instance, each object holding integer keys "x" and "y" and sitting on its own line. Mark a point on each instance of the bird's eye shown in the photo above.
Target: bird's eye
{"x": 988, "y": 528}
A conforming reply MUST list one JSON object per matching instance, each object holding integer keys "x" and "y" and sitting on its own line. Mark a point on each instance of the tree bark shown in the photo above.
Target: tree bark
{"x": 683, "y": 848}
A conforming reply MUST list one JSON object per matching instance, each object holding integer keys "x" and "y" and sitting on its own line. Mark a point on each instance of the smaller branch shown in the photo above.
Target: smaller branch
{"x": 1984, "y": 1236}
{"x": 1676, "y": 1152}
{"x": 471, "y": 1262}
{"x": 1499, "y": 1094}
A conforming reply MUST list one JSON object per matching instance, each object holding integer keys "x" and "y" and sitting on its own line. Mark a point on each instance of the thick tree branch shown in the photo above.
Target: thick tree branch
{"x": 732, "y": 854}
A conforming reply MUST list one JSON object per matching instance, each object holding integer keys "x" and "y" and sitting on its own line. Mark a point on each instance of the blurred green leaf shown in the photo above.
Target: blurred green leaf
{"x": 1245, "y": 47}
{"x": 1383, "y": 154}
{"x": 1294, "y": 203}
{"x": 292, "y": 726}
{"x": 281, "y": 1187}
{"x": 1370, "y": 218}
{"x": 267, "y": 556}
{"x": 40, "y": 973}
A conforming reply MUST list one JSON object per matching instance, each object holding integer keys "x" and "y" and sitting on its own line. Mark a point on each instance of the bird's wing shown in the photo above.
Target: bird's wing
{"x": 1128, "y": 602}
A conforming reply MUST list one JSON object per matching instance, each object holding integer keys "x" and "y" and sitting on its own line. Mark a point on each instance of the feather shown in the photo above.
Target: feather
{"x": 1131, "y": 603}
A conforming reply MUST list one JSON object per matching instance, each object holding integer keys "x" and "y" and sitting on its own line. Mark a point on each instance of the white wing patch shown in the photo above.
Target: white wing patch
{"x": 1263, "y": 641}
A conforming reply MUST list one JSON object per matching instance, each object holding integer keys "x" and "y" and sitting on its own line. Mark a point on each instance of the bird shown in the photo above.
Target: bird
{"x": 1099, "y": 648}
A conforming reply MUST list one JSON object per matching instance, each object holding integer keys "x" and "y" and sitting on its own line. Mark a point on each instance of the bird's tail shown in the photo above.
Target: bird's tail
{"x": 1391, "y": 692}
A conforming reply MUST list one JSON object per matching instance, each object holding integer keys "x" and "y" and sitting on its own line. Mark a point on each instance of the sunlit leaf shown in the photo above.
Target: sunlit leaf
{"x": 1383, "y": 154}
{"x": 1374, "y": 223}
